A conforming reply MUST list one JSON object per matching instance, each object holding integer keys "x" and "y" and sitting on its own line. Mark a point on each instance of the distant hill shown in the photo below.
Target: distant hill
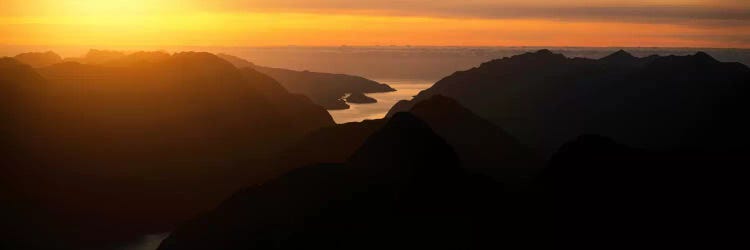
{"x": 655, "y": 102}
{"x": 323, "y": 88}
{"x": 96, "y": 57}
{"x": 39, "y": 59}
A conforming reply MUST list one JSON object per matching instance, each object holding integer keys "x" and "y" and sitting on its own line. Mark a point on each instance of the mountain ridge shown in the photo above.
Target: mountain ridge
{"x": 525, "y": 93}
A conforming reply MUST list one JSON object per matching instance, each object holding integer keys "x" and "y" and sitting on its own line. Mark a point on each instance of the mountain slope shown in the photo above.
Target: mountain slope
{"x": 403, "y": 187}
{"x": 323, "y": 88}
{"x": 482, "y": 147}
{"x": 656, "y": 102}
{"x": 115, "y": 152}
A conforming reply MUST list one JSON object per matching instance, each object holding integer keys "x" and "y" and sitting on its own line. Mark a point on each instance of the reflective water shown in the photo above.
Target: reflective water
{"x": 405, "y": 90}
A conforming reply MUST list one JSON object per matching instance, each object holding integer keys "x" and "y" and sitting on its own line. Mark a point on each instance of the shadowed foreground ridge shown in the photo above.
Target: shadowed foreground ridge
{"x": 403, "y": 187}
{"x": 622, "y": 197}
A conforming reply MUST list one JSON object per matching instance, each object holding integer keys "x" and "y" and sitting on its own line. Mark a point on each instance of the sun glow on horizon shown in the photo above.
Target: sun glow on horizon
{"x": 234, "y": 23}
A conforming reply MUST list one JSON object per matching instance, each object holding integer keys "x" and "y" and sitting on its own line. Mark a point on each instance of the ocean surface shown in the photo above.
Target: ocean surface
{"x": 405, "y": 90}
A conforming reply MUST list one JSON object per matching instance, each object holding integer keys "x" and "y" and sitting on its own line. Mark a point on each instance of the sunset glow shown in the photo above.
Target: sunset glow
{"x": 688, "y": 23}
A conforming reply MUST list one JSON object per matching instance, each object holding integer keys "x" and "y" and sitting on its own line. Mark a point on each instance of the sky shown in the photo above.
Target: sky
{"x": 604, "y": 23}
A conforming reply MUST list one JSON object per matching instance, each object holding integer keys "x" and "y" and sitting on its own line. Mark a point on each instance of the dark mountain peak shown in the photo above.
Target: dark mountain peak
{"x": 541, "y": 55}
{"x": 406, "y": 121}
{"x": 544, "y": 52}
{"x": 478, "y": 142}
{"x": 529, "y": 60}
{"x": 405, "y": 143}
{"x": 437, "y": 102}
{"x": 703, "y": 62}
{"x": 704, "y": 57}
{"x": 619, "y": 56}
{"x": 441, "y": 109}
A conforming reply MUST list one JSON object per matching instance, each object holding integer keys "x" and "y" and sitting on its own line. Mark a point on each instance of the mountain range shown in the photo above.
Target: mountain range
{"x": 654, "y": 102}
{"x": 102, "y": 146}
{"x": 532, "y": 151}
{"x": 422, "y": 177}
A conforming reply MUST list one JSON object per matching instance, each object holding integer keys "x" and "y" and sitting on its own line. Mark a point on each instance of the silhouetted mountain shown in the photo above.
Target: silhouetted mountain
{"x": 300, "y": 110}
{"x": 331, "y": 144}
{"x": 655, "y": 102}
{"x": 404, "y": 187}
{"x": 114, "y": 152}
{"x": 620, "y": 56}
{"x": 323, "y": 88}
{"x": 359, "y": 98}
{"x": 482, "y": 147}
{"x": 39, "y": 59}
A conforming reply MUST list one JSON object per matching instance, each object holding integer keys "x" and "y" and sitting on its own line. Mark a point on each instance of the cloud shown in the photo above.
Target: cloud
{"x": 664, "y": 11}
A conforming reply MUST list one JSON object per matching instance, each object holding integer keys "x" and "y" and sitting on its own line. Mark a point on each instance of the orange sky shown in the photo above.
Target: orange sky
{"x": 118, "y": 23}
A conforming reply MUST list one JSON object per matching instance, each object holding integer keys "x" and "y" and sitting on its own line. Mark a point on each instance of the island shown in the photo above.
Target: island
{"x": 359, "y": 97}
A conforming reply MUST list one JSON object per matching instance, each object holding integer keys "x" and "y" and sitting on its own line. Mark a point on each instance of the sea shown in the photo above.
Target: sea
{"x": 405, "y": 90}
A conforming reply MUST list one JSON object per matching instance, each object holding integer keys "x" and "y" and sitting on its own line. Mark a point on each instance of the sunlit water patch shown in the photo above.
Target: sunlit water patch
{"x": 405, "y": 90}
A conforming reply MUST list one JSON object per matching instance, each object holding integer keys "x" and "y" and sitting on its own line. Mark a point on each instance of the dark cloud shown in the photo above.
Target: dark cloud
{"x": 723, "y": 11}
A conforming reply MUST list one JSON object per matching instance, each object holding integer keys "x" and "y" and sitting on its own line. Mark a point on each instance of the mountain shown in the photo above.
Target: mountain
{"x": 403, "y": 187}
{"x": 121, "y": 149}
{"x": 39, "y": 59}
{"x": 97, "y": 57}
{"x": 236, "y": 61}
{"x": 324, "y": 89}
{"x": 655, "y": 102}
{"x": 483, "y": 148}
